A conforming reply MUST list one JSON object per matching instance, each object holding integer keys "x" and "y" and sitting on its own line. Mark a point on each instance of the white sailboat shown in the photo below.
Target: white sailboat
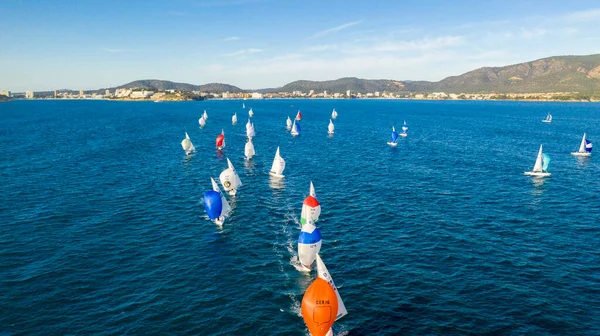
{"x": 324, "y": 274}
{"x": 250, "y": 113}
{"x": 202, "y": 122}
{"x": 334, "y": 114}
{"x": 278, "y": 165}
{"x": 187, "y": 145}
{"x": 404, "y": 129}
{"x": 205, "y": 115}
{"x": 330, "y": 128}
{"x": 234, "y": 119}
{"x": 243, "y": 105}
{"x": 249, "y": 149}
{"x": 540, "y": 169}
{"x": 585, "y": 149}
{"x": 230, "y": 179}
{"x": 548, "y": 118}
{"x": 295, "y": 130}
{"x": 250, "y": 130}
{"x": 226, "y": 208}
{"x": 288, "y": 123}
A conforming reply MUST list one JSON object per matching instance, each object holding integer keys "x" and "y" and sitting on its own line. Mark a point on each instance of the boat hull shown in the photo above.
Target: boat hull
{"x": 276, "y": 175}
{"x": 546, "y": 121}
{"x": 537, "y": 174}
{"x": 330, "y": 133}
{"x": 581, "y": 154}
{"x": 294, "y": 133}
{"x": 403, "y": 135}
{"x": 393, "y": 144}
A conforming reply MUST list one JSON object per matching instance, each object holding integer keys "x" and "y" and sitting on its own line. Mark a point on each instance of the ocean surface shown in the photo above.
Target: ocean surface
{"x": 103, "y": 231}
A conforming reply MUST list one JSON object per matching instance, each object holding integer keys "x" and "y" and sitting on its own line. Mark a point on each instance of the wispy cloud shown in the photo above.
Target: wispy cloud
{"x": 591, "y": 14}
{"x": 231, "y": 38}
{"x": 112, "y": 50}
{"x": 245, "y": 51}
{"x": 336, "y": 29}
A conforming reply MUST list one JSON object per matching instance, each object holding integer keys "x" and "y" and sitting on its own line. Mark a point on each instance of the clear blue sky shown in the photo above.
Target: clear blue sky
{"x": 266, "y": 43}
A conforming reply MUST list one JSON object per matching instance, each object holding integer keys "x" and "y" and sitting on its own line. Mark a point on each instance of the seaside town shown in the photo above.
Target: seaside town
{"x": 144, "y": 94}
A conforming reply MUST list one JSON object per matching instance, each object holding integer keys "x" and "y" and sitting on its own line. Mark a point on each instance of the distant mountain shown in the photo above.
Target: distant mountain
{"x": 552, "y": 74}
{"x": 162, "y": 85}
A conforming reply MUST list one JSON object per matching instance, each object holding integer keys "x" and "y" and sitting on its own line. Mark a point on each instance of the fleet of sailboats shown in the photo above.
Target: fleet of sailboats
{"x": 218, "y": 208}
{"x": 585, "y": 148}
{"x": 540, "y": 168}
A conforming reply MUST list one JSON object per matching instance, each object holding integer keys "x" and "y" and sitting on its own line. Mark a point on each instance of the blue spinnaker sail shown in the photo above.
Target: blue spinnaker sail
{"x": 394, "y": 136}
{"x": 545, "y": 162}
{"x": 588, "y": 146}
{"x": 297, "y": 126}
{"x": 213, "y": 204}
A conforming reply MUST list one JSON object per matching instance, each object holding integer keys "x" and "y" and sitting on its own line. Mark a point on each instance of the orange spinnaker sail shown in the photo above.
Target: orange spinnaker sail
{"x": 319, "y": 307}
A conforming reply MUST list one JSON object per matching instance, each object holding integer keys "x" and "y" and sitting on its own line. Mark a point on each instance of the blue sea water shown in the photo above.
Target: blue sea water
{"x": 103, "y": 232}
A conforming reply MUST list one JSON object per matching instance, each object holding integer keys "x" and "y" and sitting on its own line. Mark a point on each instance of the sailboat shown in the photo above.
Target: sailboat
{"x": 225, "y": 207}
{"x": 278, "y": 165}
{"x": 295, "y": 128}
{"x": 404, "y": 129}
{"x": 230, "y": 179}
{"x": 548, "y": 118}
{"x": 205, "y": 115}
{"x": 202, "y": 122}
{"x": 299, "y": 116}
{"x": 250, "y": 113}
{"x": 187, "y": 145}
{"x": 394, "y": 141}
{"x": 309, "y": 245}
{"x": 288, "y": 123}
{"x": 243, "y": 105}
{"x": 334, "y": 114}
{"x": 330, "y": 128}
{"x": 249, "y": 149}
{"x": 311, "y": 208}
{"x": 585, "y": 149}
{"x": 220, "y": 142}
{"x": 540, "y": 169}
{"x": 234, "y": 119}
{"x": 250, "y": 130}
{"x": 324, "y": 274}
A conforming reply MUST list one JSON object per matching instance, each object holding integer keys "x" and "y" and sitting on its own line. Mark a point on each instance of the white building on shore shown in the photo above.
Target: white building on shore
{"x": 28, "y": 94}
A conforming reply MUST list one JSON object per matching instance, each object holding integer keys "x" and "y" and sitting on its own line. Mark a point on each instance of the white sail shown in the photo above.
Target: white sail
{"x": 250, "y": 113}
{"x": 311, "y": 191}
{"x": 288, "y": 123}
{"x": 205, "y": 115}
{"x": 234, "y": 119}
{"x": 250, "y": 131}
{"x": 537, "y": 168}
{"x": 404, "y": 127}
{"x": 278, "y": 165}
{"x": 226, "y": 207}
{"x": 187, "y": 144}
{"x": 334, "y": 114}
{"x": 248, "y": 124}
{"x": 230, "y": 179}
{"x": 324, "y": 274}
{"x": 243, "y": 105}
{"x": 582, "y": 146}
{"x": 249, "y": 149}
{"x": 294, "y": 128}
{"x": 331, "y": 127}
{"x": 202, "y": 122}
